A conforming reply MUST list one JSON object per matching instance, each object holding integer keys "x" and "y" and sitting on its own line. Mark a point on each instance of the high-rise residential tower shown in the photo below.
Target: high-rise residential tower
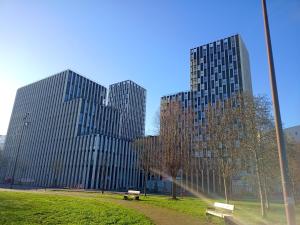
{"x": 218, "y": 71}
{"x": 222, "y": 64}
{"x": 72, "y": 137}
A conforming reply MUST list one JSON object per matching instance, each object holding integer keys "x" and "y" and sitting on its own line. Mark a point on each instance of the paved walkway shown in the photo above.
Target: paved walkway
{"x": 159, "y": 215}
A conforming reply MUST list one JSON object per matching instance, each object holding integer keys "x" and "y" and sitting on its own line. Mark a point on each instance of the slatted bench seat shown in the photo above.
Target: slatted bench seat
{"x": 133, "y": 193}
{"x": 220, "y": 210}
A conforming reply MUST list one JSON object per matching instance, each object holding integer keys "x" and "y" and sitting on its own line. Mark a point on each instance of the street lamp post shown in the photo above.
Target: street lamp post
{"x": 285, "y": 180}
{"x": 25, "y": 123}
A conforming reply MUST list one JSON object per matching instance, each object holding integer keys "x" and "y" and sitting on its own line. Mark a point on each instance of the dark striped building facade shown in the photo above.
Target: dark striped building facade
{"x": 72, "y": 136}
{"x": 128, "y": 97}
{"x": 218, "y": 71}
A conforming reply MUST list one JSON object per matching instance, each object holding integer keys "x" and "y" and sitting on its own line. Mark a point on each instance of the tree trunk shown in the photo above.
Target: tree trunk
{"x": 145, "y": 184}
{"x": 202, "y": 180}
{"x": 225, "y": 189}
{"x": 262, "y": 205}
{"x": 186, "y": 181}
{"x": 267, "y": 203}
{"x": 192, "y": 180}
{"x": 197, "y": 181}
{"x": 230, "y": 188}
{"x": 225, "y": 183}
{"x": 214, "y": 182}
{"x": 207, "y": 177}
{"x": 265, "y": 187}
{"x": 294, "y": 188}
{"x": 181, "y": 185}
{"x": 173, "y": 188}
{"x": 220, "y": 183}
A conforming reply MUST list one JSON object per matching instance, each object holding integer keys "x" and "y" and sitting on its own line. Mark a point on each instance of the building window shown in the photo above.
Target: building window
{"x": 232, "y": 87}
{"x": 235, "y": 79}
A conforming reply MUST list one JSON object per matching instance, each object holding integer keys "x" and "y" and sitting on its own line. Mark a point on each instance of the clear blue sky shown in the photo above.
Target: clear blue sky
{"x": 145, "y": 41}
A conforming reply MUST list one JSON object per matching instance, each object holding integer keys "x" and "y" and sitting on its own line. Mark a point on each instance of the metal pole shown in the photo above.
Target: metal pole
{"x": 18, "y": 150}
{"x": 285, "y": 180}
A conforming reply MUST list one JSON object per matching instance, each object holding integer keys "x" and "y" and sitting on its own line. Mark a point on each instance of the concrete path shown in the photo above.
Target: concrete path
{"x": 159, "y": 215}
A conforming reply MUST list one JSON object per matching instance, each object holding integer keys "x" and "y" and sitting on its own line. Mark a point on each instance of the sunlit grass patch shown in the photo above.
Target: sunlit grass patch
{"x": 246, "y": 211}
{"x": 36, "y": 208}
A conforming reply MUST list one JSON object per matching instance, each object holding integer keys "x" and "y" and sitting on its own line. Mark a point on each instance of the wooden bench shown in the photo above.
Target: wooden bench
{"x": 135, "y": 194}
{"x": 221, "y": 210}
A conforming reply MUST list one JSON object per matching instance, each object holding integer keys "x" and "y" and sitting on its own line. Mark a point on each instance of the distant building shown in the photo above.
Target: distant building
{"x": 293, "y": 133}
{"x": 129, "y": 99}
{"x": 73, "y": 138}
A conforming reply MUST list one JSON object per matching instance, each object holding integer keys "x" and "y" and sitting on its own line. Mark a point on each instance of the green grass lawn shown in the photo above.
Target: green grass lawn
{"x": 63, "y": 207}
{"x": 188, "y": 205}
{"x": 38, "y": 208}
{"x": 249, "y": 211}
{"x": 246, "y": 211}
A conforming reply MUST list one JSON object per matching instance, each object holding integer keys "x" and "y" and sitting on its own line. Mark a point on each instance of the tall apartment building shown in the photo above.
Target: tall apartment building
{"x": 218, "y": 71}
{"x": 72, "y": 138}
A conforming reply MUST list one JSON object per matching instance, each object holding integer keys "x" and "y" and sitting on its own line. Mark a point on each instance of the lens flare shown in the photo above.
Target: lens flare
{"x": 237, "y": 220}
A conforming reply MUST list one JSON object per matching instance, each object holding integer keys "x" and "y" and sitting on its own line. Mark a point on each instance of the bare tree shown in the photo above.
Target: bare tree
{"x": 198, "y": 165}
{"x": 257, "y": 124}
{"x": 268, "y": 156}
{"x": 221, "y": 137}
{"x": 293, "y": 150}
{"x": 147, "y": 152}
{"x": 176, "y": 133}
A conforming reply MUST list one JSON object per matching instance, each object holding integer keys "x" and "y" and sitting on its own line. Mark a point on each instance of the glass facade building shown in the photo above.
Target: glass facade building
{"x": 73, "y": 137}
